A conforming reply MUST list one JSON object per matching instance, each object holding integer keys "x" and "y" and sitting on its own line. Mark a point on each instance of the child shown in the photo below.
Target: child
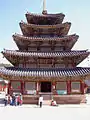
{"x": 53, "y": 103}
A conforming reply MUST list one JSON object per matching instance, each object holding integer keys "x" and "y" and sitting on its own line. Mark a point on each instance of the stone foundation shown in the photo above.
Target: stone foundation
{"x": 60, "y": 99}
{"x": 30, "y": 99}
{"x": 69, "y": 99}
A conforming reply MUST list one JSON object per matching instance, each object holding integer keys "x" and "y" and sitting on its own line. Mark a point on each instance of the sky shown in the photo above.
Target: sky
{"x": 76, "y": 11}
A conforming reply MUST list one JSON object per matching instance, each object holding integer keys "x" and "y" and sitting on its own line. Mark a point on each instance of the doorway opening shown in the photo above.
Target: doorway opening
{"x": 45, "y": 86}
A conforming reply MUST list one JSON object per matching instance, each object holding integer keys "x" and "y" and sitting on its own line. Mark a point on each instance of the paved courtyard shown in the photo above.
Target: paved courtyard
{"x": 33, "y": 112}
{"x": 28, "y": 112}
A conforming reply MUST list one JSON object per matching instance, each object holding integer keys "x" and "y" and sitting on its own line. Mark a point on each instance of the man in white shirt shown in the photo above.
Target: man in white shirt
{"x": 6, "y": 100}
{"x": 40, "y": 101}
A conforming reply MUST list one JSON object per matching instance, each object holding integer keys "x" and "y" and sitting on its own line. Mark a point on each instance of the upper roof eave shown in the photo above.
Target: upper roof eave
{"x": 29, "y": 29}
{"x": 20, "y": 40}
{"x": 47, "y": 54}
{"x": 51, "y": 18}
{"x": 44, "y": 15}
{"x": 17, "y": 37}
{"x": 12, "y": 55}
{"x": 45, "y": 26}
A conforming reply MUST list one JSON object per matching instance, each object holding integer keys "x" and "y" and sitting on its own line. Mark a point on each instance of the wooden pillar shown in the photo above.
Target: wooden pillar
{"x": 9, "y": 87}
{"x": 6, "y": 88}
{"x": 22, "y": 87}
{"x": 69, "y": 87}
{"x": 37, "y": 88}
{"x": 82, "y": 87}
{"x": 10, "y": 90}
{"x": 54, "y": 87}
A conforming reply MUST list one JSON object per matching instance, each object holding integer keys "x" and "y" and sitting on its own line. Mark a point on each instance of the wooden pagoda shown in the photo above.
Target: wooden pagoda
{"x": 45, "y": 63}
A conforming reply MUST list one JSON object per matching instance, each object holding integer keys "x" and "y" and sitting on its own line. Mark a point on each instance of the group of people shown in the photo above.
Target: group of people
{"x": 13, "y": 99}
{"x": 17, "y": 100}
{"x": 53, "y": 102}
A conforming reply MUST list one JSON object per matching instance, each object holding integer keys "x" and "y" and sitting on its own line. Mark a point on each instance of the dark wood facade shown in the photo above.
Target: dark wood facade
{"x": 45, "y": 63}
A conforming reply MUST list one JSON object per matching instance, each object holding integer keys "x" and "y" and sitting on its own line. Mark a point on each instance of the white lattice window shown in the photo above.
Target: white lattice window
{"x": 61, "y": 88}
{"x": 16, "y": 85}
{"x": 75, "y": 87}
{"x": 30, "y": 87}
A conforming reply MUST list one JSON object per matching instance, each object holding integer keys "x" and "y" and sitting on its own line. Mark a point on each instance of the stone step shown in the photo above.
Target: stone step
{"x": 47, "y": 97}
{"x": 46, "y": 102}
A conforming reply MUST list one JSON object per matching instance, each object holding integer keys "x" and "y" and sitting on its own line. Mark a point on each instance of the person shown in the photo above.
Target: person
{"x": 6, "y": 100}
{"x": 53, "y": 103}
{"x": 10, "y": 100}
{"x": 18, "y": 100}
{"x": 21, "y": 99}
{"x": 40, "y": 101}
{"x": 13, "y": 100}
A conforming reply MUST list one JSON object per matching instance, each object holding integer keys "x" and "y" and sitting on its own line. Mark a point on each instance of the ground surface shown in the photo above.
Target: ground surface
{"x": 28, "y": 112}
{"x": 33, "y": 112}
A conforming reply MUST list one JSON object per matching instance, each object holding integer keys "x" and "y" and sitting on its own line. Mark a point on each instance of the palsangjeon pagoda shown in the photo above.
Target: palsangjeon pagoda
{"x": 45, "y": 63}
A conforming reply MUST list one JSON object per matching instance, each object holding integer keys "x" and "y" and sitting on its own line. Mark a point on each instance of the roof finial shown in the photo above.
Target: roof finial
{"x": 44, "y": 7}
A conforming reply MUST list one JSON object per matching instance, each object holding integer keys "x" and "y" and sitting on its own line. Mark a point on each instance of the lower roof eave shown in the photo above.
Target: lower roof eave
{"x": 45, "y": 74}
{"x": 44, "y": 78}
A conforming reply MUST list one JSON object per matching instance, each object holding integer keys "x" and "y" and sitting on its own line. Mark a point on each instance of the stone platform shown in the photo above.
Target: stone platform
{"x": 60, "y": 99}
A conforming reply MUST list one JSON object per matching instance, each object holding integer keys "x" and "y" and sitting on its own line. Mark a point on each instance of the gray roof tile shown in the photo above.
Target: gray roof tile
{"x": 58, "y": 72}
{"x": 46, "y": 54}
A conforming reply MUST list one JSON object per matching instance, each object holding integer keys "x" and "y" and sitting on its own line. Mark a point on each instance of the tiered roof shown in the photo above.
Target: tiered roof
{"x": 12, "y": 55}
{"x": 46, "y": 54}
{"x": 68, "y": 41}
{"x": 38, "y": 18}
{"x": 58, "y": 29}
{"x": 46, "y": 28}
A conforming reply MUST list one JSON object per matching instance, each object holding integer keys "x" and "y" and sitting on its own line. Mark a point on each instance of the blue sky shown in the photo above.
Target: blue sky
{"x": 76, "y": 11}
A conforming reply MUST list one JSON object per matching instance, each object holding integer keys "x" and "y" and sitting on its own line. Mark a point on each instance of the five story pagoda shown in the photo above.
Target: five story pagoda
{"x": 45, "y": 63}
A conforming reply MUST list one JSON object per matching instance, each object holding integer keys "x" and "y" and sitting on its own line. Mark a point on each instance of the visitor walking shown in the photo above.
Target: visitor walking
{"x": 13, "y": 100}
{"x": 18, "y": 100}
{"x": 6, "y": 100}
{"x": 10, "y": 100}
{"x": 40, "y": 101}
{"x": 21, "y": 99}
